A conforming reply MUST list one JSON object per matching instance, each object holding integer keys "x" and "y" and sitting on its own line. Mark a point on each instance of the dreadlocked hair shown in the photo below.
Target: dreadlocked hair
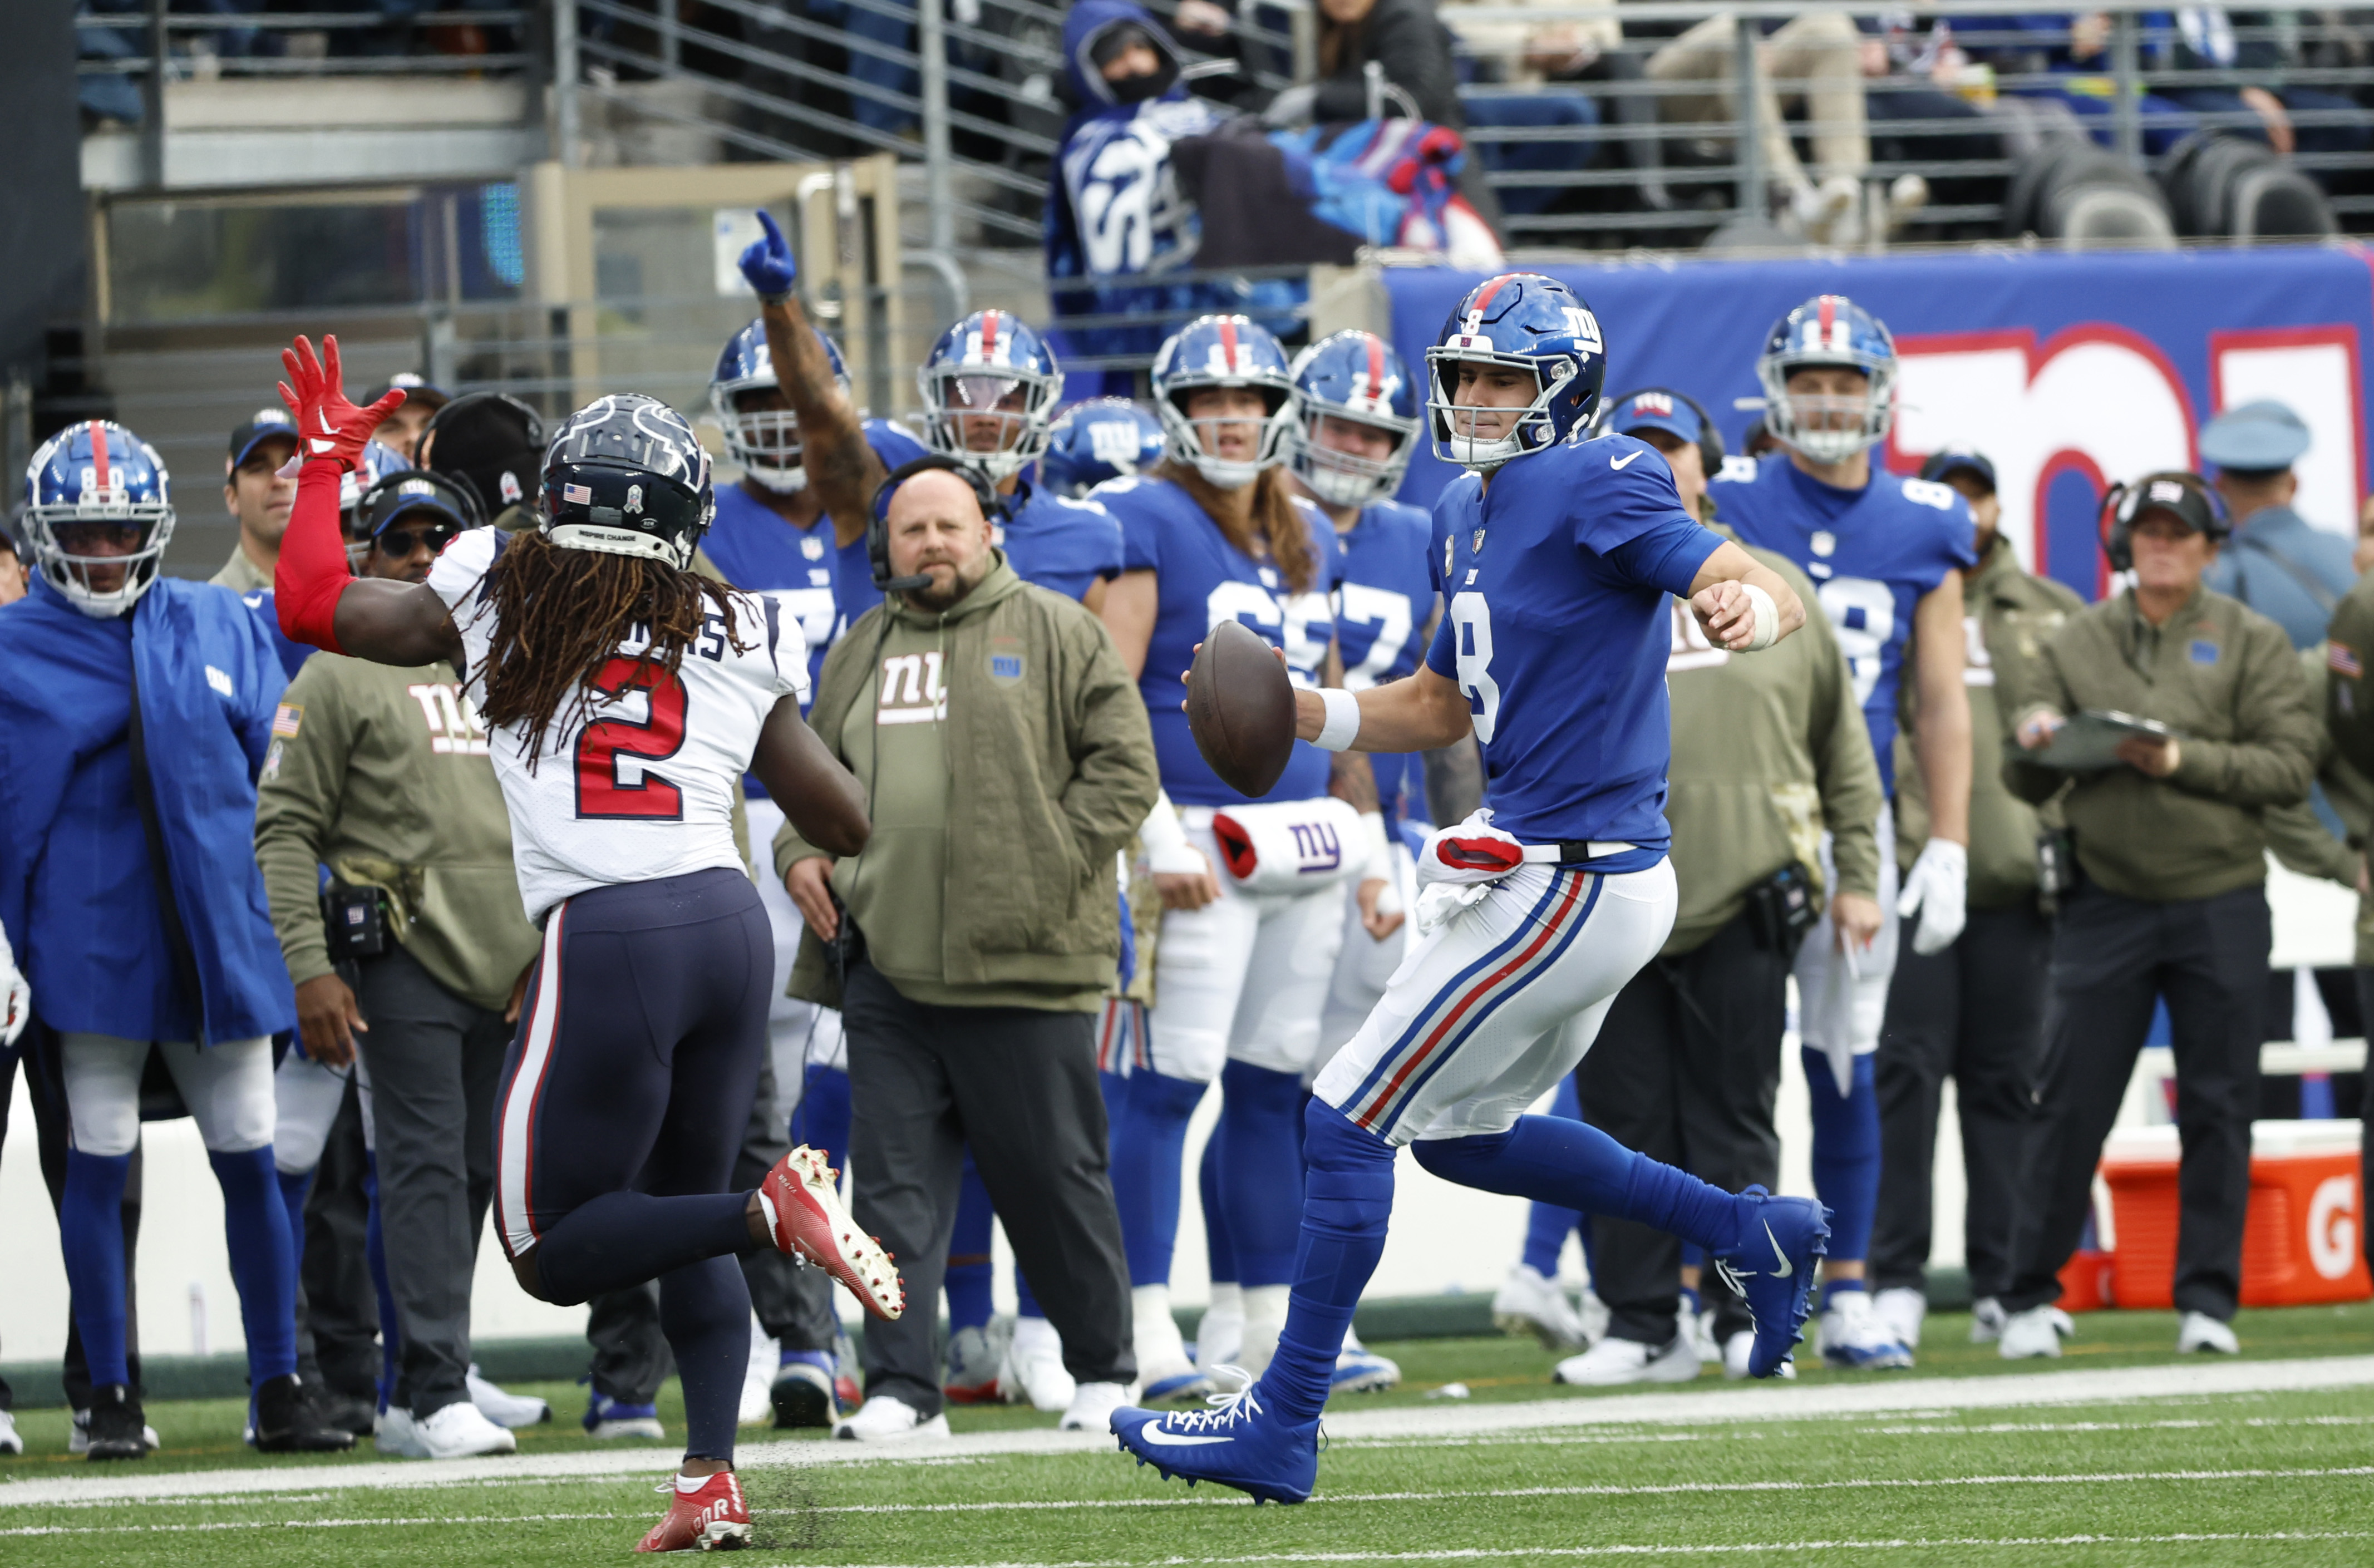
{"x": 1278, "y": 530}
{"x": 560, "y": 616}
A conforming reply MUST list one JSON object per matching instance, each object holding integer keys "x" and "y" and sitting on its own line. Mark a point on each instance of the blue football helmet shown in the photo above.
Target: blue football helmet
{"x": 1526, "y": 322}
{"x": 1105, "y": 437}
{"x": 1222, "y": 351}
{"x": 1828, "y": 329}
{"x": 1354, "y": 377}
{"x": 626, "y": 475}
{"x": 99, "y": 512}
{"x": 990, "y": 386}
{"x": 766, "y": 442}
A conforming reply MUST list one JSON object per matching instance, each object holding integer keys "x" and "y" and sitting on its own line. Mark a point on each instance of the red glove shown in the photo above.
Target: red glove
{"x": 328, "y": 424}
{"x": 314, "y": 572}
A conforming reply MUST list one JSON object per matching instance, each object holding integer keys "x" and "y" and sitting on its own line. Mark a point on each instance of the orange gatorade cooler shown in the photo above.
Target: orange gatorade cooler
{"x": 2300, "y": 1242}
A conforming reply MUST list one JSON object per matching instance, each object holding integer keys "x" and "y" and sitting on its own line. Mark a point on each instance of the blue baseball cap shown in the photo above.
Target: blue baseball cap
{"x": 1655, "y": 409}
{"x": 261, "y": 426}
{"x": 1958, "y": 459}
{"x": 2265, "y": 436}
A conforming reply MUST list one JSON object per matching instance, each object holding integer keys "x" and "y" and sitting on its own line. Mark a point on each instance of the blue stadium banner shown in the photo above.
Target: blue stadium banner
{"x": 2070, "y": 371}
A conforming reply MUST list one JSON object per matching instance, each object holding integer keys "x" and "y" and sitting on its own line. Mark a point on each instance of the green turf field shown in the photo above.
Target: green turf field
{"x": 2281, "y": 1476}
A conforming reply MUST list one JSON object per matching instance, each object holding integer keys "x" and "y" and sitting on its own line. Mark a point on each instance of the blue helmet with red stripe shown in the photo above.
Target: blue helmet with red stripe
{"x": 99, "y": 512}
{"x": 1518, "y": 322}
{"x": 1826, "y": 331}
{"x": 1218, "y": 352}
{"x": 765, "y": 441}
{"x": 1105, "y": 437}
{"x": 990, "y": 385}
{"x": 1354, "y": 378}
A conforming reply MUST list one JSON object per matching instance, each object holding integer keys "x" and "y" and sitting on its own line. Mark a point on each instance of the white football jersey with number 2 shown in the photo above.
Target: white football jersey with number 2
{"x": 643, "y": 785}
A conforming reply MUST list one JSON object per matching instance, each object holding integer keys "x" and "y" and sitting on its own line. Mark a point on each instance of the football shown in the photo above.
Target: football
{"x": 1241, "y": 707}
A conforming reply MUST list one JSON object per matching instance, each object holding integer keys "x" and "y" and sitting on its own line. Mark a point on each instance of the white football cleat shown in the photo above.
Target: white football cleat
{"x": 1854, "y": 1338}
{"x": 2035, "y": 1332}
{"x": 1987, "y": 1316}
{"x": 1736, "y": 1349}
{"x": 1032, "y": 1372}
{"x": 886, "y": 1418}
{"x": 502, "y": 1407}
{"x": 1093, "y": 1404}
{"x": 1528, "y": 1303}
{"x": 1900, "y": 1309}
{"x": 1613, "y": 1361}
{"x": 2199, "y": 1331}
{"x": 461, "y": 1431}
{"x": 397, "y": 1435}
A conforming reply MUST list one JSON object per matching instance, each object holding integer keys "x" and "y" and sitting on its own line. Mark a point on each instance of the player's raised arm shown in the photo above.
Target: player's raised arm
{"x": 315, "y": 591}
{"x": 839, "y": 464}
{"x": 1730, "y": 613}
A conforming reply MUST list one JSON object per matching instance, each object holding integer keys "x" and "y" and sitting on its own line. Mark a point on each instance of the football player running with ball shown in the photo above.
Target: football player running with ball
{"x": 624, "y": 696}
{"x": 1556, "y": 558}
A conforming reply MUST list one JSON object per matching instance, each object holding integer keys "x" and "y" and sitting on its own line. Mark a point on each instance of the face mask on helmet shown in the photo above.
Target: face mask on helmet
{"x": 1319, "y": 457}
{"x": 1830, "y": 331}
{"x": 766, "y": 442}
{"x": 96, "y": 517}
{"x": 993, "y": 422}
{"x": 1497, "y": 412}
{"x": 1224, "y": 354}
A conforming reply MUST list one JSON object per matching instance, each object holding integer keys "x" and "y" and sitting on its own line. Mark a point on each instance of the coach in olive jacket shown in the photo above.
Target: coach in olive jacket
{"x": 1006, "y": 759}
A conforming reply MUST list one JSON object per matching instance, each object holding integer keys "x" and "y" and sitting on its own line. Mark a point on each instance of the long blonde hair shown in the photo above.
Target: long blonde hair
{"x": 1278, "y": 529}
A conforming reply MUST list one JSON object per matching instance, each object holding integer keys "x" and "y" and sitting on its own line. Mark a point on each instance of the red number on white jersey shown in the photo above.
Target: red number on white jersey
{"x": 658, "y": 735}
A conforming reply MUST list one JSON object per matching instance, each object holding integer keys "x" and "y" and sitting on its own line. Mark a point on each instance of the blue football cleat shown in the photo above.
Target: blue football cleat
{"x": 1771, "y": 1264}
{"x": 1236, "y": 1442}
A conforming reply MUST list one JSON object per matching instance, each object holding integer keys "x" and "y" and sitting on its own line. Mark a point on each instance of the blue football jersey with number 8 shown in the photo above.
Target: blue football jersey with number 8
{"x": 1554, "y": 625}
{"x": 1872, "y": 552}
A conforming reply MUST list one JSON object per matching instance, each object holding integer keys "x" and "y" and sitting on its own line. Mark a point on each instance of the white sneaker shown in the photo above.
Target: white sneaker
{"x": 397, "y": 1435}
{"x": 1264, "y": 1321}
{"x": 1595, "y": 1316}
{"x": 1854, "y": 1338}
{"x": 1987, "y": 1316}
{"x": 461, "y": 1431}
{"x": 9, "y": 1442}
{"x": 78, "y": 1435}
{"x": 1093, "y": 1404}
{"x": 1033, "y": 1371}
{"x": 1899, "y": 1311}
{"x": 1615, "y": 1360}
{"x": 2035, "y": 1332}
{"x": 1735, "y": 1352}
{"x": 886, "y": 1418}
{"x": 1220, "y": 1338}
{"x": 504, "y": 1408}
{"x": 1528, "y": 1303}
{"x": 1163, "y": 1370}
{"x": 2199, "y": 1331}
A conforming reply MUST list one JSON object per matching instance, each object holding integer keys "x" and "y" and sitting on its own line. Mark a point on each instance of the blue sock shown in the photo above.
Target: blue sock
{"x": 90, "y": 1234}
{"x": 1219, "y": 1251}
{"x": 255, "y": 1228}
{"x": 1261, "y": 1170}
{"x": 1347, "y": 1198}
{"x": 822, "y": 1120}
{"x": 624, "y": 1239}
{"x": 967, "y": 1278}
{"x": 390, "y": 1329}
{"x": 1149, "y": 1147}
{"x": 1574, "y": 1166}
{"x": 295, "y": 1187}
{"x": 1846, "y": 1152}
{"x": 1548, "y": 1226}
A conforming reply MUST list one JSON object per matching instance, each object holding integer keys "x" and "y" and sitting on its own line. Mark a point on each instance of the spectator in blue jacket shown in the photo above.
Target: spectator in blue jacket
{"x": 135, "y": 712}
{"x": 2277, "y": 562}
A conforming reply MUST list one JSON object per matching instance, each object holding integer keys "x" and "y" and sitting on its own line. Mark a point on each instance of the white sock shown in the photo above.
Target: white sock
{"x": 1156, "y": 1332}
{"x": 1265, "y": 1318}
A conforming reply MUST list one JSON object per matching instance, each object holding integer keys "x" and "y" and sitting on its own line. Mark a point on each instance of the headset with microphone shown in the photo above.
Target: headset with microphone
{"x": 877, "y": 526}
{"x": 531, "y": 433}
{"x": 2187, "y": 497}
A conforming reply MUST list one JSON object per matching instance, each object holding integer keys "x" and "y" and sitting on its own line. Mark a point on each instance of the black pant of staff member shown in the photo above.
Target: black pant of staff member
{"x": 1008, "y": 759}
{"x": 2172, "y": 903}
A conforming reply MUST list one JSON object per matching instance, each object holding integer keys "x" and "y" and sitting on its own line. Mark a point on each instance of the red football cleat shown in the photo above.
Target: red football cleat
{"x": 713, "y": 1519}
{"x": 803, "y": 1199}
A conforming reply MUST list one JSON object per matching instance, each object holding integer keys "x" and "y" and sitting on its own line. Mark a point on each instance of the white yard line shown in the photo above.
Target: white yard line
{"x": 1660, "y": 1550}
{"x": 1440, "y": 1422}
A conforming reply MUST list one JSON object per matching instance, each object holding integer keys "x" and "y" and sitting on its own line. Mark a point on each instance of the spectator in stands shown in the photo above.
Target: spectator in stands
{"x": 1917, "y": 118}
{"x": 401, "y": 430}
{"x": 2171, "y": 902}
{"x": 1815, "y": 60}
{"x": 2210, "y": 38}
{"x": 2074, "y": 48}
{"x": 1973, "y": 1011}
{"x": 2277, "y": 563}
{"x": 1536, "y": 54}
{"x": 256, "y": 495}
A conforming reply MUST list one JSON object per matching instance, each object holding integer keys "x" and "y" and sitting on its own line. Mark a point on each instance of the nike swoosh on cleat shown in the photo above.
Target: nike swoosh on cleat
{"x": 1785, "y": 1270}
{"x": 1165, "y": 1439}
{"x": 1622, "y": 462}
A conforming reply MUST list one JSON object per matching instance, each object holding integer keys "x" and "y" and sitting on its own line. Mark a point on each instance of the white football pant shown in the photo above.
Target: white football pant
{"x": 228, "y": 1088}
{"x": 798, "y": 1031}
{"x": 1365, "y": 965}
{"x": 1839, "y": 1010}
{"x": 306, "y": 1097}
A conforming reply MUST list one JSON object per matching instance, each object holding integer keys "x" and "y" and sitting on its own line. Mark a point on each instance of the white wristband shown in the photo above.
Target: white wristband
{"x": 1767, "y": 619}
{"x": 1342, "y": 724}
{"x": 1164, "y": 842}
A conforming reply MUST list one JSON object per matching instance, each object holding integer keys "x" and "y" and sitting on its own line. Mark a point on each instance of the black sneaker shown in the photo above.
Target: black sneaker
{"x": 286, "y": 1420}
{"x": 115, "y": 1425}
{"x": 345, "y": 1412}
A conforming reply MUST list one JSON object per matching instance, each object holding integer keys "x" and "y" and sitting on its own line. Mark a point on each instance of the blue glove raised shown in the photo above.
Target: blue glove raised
{"x": 767, "y": 262}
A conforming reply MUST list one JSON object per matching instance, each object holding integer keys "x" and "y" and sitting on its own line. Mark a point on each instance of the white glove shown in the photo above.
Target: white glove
{"x": 15, "y": 996}
{"x": 1163, "y": 842}
{"x": 1937, "y": 887}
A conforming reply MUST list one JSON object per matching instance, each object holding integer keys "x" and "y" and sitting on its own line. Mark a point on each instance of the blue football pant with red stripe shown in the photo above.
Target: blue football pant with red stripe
{"x": 624, "y": 1101}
